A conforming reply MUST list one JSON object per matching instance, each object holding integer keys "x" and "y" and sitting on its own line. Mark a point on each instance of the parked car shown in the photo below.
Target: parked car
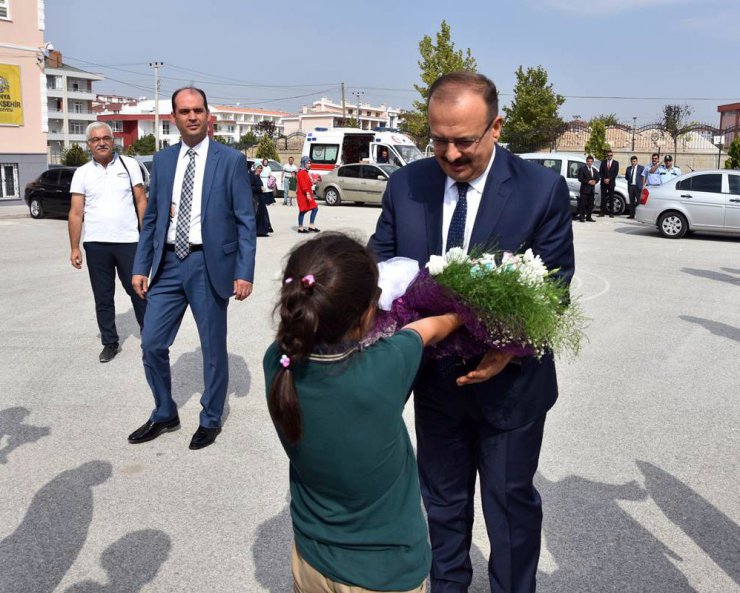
{"x": 567, "y": 165}
{"x": 277, "y": 172}
{"x": 707, "y": 201}
{"x": 360, "y": 183}
{"x": 49, "y": 194}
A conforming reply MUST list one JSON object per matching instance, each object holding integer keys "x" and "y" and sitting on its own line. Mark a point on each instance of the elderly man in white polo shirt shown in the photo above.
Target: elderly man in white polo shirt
{"x": 108, "y": 192}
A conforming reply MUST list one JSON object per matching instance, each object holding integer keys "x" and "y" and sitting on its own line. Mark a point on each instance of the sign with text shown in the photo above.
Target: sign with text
{"x": 11, "y": 104}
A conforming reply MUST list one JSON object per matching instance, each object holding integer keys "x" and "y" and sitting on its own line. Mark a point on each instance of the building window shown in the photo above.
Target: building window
{"x": 116, "y": 125}
{"x": 166, "y": 128}
{"x": 9, "y": 181}
{"x": 76, "y": 106}
{"x": 5, "y": 9}
{"x": 76, "y": 127}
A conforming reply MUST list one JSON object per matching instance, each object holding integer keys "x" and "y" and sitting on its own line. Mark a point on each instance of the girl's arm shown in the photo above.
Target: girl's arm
{"x": 434, "y": 329}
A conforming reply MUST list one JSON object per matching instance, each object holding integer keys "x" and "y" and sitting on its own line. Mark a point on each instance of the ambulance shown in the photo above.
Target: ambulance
{"x": 330, "y": 148}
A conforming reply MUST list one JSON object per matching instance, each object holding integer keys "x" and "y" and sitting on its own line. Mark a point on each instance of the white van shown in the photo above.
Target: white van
{"x": 329, "y": 148}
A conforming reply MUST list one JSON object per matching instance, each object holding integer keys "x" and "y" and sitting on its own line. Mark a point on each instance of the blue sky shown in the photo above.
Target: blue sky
{"x": 286, "y": 54}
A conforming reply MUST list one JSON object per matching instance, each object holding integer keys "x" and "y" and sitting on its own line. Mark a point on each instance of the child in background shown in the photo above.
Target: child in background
{"x": 337, "y": 408}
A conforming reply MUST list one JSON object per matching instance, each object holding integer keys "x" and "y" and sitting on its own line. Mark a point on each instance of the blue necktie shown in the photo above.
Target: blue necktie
{"x": 456, "y": 232}
{"x": 182, "y": 230}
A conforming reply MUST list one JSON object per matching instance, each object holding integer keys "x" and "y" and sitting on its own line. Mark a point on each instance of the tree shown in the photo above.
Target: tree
{"x": 608, "y": 119}
{"x": 74, "y": 156}
{"x": 675, "y": 122}
{"x": 733, "y": 155}
{"x": 144, "y": 145}
{"x": 265, "y": 128}
{"x": 247, "y": 141}
{"x": 532, "y": 120}
{"x": 224, "y": 140}
{"x": 347, "y": 122}
{"x": 436, "y": 59}
{"x": 597, "y": 144}
{"x": 266, "y": 149}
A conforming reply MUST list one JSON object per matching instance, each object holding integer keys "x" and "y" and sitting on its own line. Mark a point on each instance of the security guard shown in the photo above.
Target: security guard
{"x": 668, "y": 171}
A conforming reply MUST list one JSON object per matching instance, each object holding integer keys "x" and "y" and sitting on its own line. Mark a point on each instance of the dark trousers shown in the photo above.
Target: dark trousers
{"x": 607, "y": 199}
{"x": 456, "y": 443}
{"x": 585, "y": 205}
{"x": 104, "y": 260}
{"x": 177, "y": 285}
{"x": 634, "y": 194}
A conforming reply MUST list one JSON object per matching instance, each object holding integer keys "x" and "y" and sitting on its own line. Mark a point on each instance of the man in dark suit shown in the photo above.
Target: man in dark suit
{"x": 608, "y": 171}
{"x": 483, "y": 416}
{"x": 198, "y": 246}
{"x": 634, "y": 177}
{"x": 588, "y": 177}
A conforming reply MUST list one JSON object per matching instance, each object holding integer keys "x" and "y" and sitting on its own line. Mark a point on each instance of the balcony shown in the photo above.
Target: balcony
{"x": 86, "y": 116}
{"x": 78, "y": 138}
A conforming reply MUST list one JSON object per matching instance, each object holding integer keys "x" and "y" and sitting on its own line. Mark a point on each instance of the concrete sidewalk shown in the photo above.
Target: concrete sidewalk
{"x": 13, "y": 209}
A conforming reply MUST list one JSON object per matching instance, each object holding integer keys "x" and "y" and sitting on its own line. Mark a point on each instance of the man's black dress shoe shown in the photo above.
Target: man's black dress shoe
{"x": 204, "y": 437}
{"x": 589, "y": 219}
{"x": 151, "y": 430}
{"x": 109, "y": 352}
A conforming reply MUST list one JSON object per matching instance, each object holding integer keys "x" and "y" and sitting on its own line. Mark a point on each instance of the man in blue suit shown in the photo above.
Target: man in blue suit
{"x": 197, "y": 244}
{"x": 634, "y": 177}
{"x": 484, "y": 416}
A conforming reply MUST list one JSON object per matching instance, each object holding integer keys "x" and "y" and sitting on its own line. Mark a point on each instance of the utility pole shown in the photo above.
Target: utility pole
{"x": 634, "y": 123}
{"x": 358, "y": 94}
{"x": 156, "y": 66}
{"x": 344, "y": 104}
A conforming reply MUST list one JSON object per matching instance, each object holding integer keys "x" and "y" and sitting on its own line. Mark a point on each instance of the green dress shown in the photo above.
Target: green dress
{"x": 355, "y": 499}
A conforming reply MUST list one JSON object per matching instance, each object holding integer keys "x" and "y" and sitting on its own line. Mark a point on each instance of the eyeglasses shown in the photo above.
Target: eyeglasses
{"x": 461, "y": 144}
{"x": 101, "y": 139}
{"x": 610, "y": 154}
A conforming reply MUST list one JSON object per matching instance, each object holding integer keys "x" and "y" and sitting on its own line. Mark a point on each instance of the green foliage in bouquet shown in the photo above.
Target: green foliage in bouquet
{"x": 518, "y": 300}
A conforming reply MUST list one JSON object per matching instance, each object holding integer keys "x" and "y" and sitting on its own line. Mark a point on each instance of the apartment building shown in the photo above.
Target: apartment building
{"x": 22, "y": 95}
{"x": 324, "y": 113}
{"x": 232, "y": 121}
{"x": 729, "y": 119}
{"x": 70, "y": 98}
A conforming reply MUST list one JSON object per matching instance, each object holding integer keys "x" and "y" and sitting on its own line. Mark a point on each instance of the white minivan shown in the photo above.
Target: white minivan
{"x": 567, "y": 164}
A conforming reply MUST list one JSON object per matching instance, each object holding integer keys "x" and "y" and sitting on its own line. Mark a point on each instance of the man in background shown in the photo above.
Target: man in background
{"x": 608, "y": 172}
{"x": 634, "y": 177}
{"x": 669, "y": 171}
{"x": 589, "y": 177}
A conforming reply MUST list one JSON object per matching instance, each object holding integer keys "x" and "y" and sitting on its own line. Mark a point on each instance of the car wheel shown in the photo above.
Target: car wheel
{"x": 619, "y": 205}
{"x": 36, "y": 209}
{"x": 331, "y": 196}
{"x": 672, "y": 225}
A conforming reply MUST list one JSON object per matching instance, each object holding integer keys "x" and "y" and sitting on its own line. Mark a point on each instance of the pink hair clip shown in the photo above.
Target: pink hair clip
{"x": 285, "y": 361}
{"x": 308, "y": 280}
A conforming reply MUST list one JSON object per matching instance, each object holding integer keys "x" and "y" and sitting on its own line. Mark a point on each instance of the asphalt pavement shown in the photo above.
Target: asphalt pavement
{"x": 639, "y": 471}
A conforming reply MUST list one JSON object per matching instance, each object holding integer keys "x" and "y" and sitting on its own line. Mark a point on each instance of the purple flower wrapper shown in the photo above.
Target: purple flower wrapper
{"x": 425, "y": 297}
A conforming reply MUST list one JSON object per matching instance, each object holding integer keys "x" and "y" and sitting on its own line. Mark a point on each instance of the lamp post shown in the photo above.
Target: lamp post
{"x": 634, "y": 123}
{"x": 719, "y": 142}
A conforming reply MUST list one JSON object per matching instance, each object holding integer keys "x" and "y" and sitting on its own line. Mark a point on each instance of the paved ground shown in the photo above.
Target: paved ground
{"x": 639, "y": 471}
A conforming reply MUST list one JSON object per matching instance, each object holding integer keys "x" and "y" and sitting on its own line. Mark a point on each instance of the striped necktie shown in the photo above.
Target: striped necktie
{"x": 456, "y": 232}
{"x": 182, "y": 232}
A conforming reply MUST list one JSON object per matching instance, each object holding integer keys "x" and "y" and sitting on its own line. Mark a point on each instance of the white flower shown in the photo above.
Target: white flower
{"x": 436, "y": 265}
{"x": 533, "y": 271}
{"x": 456, "y": 255}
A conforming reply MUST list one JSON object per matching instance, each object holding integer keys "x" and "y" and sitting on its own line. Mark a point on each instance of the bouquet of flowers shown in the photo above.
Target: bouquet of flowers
{"x": 507, "y": 302}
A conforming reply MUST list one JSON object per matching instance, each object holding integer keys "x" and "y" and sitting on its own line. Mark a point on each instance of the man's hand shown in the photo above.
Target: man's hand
{"x": 76, "y": 258}
{"x": 140, "y": 284}
{"x": 492, "y": 363}
{"x": 242, "y": 289}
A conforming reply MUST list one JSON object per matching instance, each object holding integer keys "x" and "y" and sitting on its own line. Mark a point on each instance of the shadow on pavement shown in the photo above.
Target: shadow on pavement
{"x": 599, "y": 547}
{"x": 718, "y": 328}
{"x": 18, "y": 433}
{"x": 130, "y": 563}
{"x": 709, "y": 528}
{"x": 712, "y": 275}
{"x": 187, "y": 378}
{"x": 271, "y": 552}
{"x": 37, "y": 555}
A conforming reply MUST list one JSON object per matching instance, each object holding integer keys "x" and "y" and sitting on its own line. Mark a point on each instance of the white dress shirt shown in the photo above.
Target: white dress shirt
{"x": 474, "y": 195}
{"x": 201, "y": 153}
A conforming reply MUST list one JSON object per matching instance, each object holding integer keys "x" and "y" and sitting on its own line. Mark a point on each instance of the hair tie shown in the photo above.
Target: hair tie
{"x": 308, "y": 281}
{"x": 288, "y": 280}
{"x": 285, "y": 361}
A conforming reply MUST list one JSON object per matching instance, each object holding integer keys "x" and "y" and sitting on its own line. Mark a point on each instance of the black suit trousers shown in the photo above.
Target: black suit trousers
{"x": 585, "y": 205}
{"x": 634, "y": 192}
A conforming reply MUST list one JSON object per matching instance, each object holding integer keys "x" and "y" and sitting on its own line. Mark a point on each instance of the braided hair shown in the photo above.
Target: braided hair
{"x": 329, "y": 283}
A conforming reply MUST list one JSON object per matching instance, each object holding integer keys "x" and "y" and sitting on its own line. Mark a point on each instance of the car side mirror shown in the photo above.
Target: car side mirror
{"x": 382, "y": 178}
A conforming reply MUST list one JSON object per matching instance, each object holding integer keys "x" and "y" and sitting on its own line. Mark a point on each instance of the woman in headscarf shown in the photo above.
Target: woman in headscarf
{"x": 260, "y": 206}
{"x": 305, "y": 197}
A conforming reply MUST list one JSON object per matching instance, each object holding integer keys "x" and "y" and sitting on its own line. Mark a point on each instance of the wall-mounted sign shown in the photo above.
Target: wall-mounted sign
{"x": 11, "y": 104}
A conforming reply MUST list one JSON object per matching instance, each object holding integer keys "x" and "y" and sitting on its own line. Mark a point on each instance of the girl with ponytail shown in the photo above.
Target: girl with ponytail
{"x": 337, "y": 408}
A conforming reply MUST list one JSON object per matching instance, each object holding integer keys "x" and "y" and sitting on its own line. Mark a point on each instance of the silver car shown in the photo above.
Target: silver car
{"x": 360, "y": 182}
{"x": 707, "y": 201}
{"x": 567, "y": 165}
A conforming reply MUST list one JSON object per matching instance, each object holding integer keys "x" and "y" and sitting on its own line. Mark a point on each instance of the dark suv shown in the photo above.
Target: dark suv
{"x": 49, "y": 194}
